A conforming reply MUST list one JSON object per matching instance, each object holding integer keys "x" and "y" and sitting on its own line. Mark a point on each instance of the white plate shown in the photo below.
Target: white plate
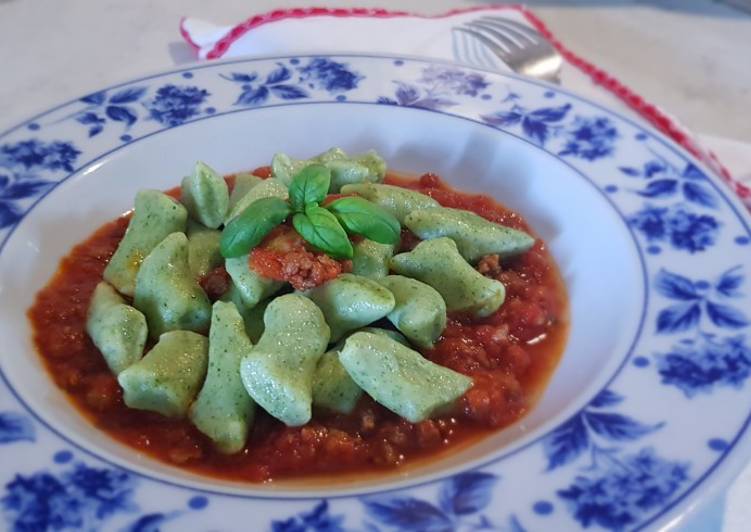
{"x": 647, "y": 410}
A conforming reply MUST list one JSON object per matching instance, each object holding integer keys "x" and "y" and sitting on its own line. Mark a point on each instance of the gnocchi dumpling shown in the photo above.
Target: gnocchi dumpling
{"x": 366, "y": 168}
{"x": 399, "y": 378}
{"x": 168, "y": 378}
{"x": 155, "y": 216}
{"x": 419, "y": 312}
{"x": 278, "y": 371}
{"x": 371, "y": 259}
{"x": 203, "y": 249}
{"x": 243, "y": 183}
{"x": 475, "y": 236}
{"x": 206, "y": 196}
{"x": 350, "y": 302}
{"x": 439, "y": 264}
{"x": 251, "y": 286}
{"x": 118, "y": 330}
{"x": 333, "y": 388}
{"x": 396, "y": 200}
{"x": 166, "y": 291}
{"x": 223, "y": 410}
{"x": 267, "y": 188}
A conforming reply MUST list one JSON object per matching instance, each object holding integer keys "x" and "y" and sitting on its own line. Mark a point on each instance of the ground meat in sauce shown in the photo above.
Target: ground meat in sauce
{"x": 509, "y": 354}
{"x": 285, "y": 256}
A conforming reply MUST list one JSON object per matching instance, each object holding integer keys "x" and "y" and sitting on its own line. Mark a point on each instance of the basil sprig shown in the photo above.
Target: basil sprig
{"x": 310, "y": 185}
{"x": 364, "y": 218}
{"x": 325, "y": 228}
{"x": 245, "y": 231}
{"x": 322, "y": 230}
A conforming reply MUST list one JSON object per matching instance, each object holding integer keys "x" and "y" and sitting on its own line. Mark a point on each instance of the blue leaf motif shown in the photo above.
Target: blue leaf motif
{"x": 9, "y": 214}
{"x": 89, "y": 118}
{"x": 629, "y": 171}
{"x": 660, "y": 188}
{"x": 288, "y": 92}
{"x": 121, "y": 114}
{"x": 147, "y": 523}
{"x": 566, "y": 442}
{"x": 550, "y": 114}
{"x": 535, "y": 129}
{"x": 15, "y": 427}
{"x": 128, "y": 95}
{"x": 676, "y": 286}
{"x": 730, "y": 282}
{"x": 726, "y": 316}
{"x": 240, "y": 78}
{"x": 278, "y": 75}
{"x": 96, "y": 98}
{"x": 95, "y": 130}
{"x": 503, "y": 118}
{"x": 696, "y": 193}
{"x": 605, "y": 398}
{"x": 652, "y": 168}
{"x": 678, "y": 318}
{"x": 467, "y": 493}
{"x": 616, "y": 427}
{"x": 23, "y": 189}
{"x": 692, "y": 172}
{"x": 253, "y": 96}
{"x": 407, "y": 513}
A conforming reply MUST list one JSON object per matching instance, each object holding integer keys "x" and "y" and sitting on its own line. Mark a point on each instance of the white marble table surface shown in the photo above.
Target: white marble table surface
{"x": 691, "y": 57}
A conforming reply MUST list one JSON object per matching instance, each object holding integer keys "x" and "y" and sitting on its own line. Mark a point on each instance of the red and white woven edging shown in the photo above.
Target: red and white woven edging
{"x": 646, "y": 110}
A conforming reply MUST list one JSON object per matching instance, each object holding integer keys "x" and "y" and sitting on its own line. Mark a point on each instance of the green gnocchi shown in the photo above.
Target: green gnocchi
{"x": 356, "y": 333}
{"x": 438, "y": 263}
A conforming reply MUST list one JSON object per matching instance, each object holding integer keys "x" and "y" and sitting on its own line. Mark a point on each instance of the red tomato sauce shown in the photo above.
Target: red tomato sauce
{"x": 510, "y": 355}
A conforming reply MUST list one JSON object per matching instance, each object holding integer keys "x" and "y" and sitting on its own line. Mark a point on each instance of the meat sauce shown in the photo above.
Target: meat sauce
{"x": 510, "y": 355}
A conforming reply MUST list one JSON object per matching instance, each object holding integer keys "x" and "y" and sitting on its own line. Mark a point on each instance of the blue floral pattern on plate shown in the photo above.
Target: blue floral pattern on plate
{"x": 610, "y": 464}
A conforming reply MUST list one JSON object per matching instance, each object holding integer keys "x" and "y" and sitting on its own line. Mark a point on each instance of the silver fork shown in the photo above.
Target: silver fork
{"x": 520, "y": 47}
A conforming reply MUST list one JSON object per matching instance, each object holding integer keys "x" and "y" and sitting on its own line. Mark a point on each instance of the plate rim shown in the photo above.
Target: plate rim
{"x": 711, "y": 478}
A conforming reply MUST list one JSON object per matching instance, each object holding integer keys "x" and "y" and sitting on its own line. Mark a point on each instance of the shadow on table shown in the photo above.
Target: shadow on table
{"x": 716, "y": 8}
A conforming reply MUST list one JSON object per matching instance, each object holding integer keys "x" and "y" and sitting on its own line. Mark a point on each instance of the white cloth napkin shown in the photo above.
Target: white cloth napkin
{"x": 321, "y": 30}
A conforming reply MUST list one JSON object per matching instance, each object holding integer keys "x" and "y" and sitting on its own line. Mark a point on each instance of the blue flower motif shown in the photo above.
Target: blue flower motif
{"x": 664, "y": 180}
{"x": 174, "y": 105}
{"x": 622, "y": 492}
{"x": 15, "y": 427}
{"x": 590, "y": 138}
{"x": 582, "y": 432}
{"x": 80, "y": 498}
{"x": 683, "y": 229}
{"x": 333, "y": 77}
{"x": 696, "y": 366}
{"x": 692, "y": 232}
{"x": 454, "y": 80}
{"x": 695, "y": 298}
{"x": 35, "y": 154}
{"x": 102, "y": 106}
{"x": 537, "y": 124}
{"x": 23, "y": 162}
{"x": 435, "y": 88}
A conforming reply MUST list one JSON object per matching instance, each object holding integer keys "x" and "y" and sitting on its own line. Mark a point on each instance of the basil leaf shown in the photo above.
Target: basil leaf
{"x": 365, "y": 218}
{"x": 247, "y": 229}
{"x": 310, "y": 185}
{"x": 322, "y": 230}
